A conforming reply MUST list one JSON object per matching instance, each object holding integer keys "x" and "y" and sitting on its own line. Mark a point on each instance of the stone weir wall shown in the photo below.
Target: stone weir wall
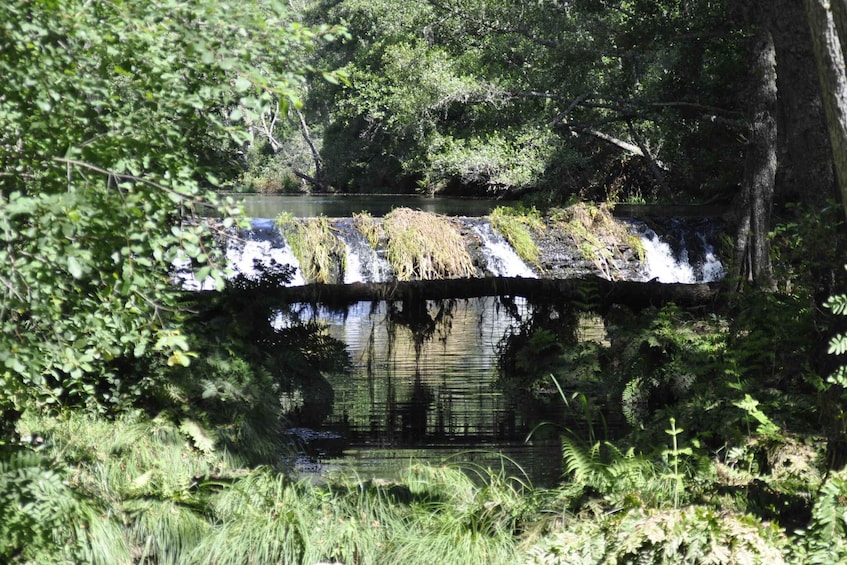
{"x": 573, "y": 242}
{"x": 408, "y": 245}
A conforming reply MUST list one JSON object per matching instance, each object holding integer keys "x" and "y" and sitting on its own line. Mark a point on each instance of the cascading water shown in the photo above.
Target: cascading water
{"x": 684, "y": 255}
{"x": 501, "y": 259}
{"x": 362, "y": 262}
{"x": 261, "y": 248}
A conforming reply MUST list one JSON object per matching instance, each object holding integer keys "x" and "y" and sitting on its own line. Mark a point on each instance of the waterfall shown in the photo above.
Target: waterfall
{"x": 261, "y": 248}
{"x": 683, "y": 255}
{"x": 500, "y": 259}
{"x": 362, "y": 262}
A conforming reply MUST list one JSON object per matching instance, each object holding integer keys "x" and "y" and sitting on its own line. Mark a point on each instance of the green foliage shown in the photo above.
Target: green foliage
{"x": 826, "y": 538}
{"x": 838, "y": 343}
{"x": 765, "y": 427}
{"x": 508, "y": 97}
{"x": 115, "y": 124}
{"x": 261, "y": 520}
{"x": 694, "y": 534}
{"x": 675, "y": 459}
{"x": 457, "y": 521}
{"x": 42, "y": 519}
{"x": 660, "y": 356}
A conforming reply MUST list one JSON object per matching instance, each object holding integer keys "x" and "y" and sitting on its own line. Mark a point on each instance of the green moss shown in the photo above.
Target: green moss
{"x": 322, "y": 255}
{"x": 517, "y": 226}
{"x": 425, "y": 246}
{"x": 368, "y": 227}
{"x": 596, "y": 233}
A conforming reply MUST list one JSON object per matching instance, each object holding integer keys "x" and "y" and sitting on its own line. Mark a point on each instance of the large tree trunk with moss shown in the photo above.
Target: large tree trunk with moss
{"x": 752, "y": 260}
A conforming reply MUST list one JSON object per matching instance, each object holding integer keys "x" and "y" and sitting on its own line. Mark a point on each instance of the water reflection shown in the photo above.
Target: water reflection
{"x": 424, "y": 387}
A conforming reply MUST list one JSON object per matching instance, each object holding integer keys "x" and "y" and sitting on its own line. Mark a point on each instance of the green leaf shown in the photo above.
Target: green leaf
{"x": 200, "y": 437}
{"x": 242, "y": 84}
{"x": 74, "y": 268}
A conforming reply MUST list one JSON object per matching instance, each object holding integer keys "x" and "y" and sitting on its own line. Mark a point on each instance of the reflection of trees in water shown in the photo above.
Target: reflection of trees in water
{"x": 427, "y": 372}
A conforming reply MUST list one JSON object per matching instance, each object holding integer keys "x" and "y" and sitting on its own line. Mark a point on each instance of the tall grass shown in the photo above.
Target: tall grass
{"x": 322, "y": 255}
{"x": 425, "y": 246}
{"x": 134, "y": 490}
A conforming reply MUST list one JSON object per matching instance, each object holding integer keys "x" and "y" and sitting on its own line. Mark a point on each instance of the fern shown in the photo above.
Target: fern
{"x": 838, "y": 343}
{"x": 826, "y": 538}
{"x": 42, "y": 520}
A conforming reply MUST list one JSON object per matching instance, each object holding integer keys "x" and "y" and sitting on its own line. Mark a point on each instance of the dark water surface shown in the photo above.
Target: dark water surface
{"x": 340, "y": 206}
{"x": 426, "y": 389}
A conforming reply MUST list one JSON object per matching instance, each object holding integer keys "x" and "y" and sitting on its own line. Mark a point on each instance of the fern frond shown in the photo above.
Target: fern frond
{"x": 838, "y": 304}
{"x": 838, "y": 345}
{"x": 584, "y": 465}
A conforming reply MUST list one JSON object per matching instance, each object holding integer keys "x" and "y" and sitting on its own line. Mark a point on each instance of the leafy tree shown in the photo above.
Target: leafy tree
{"x": 510, "y": 96}
{"x": 117, "y": 121}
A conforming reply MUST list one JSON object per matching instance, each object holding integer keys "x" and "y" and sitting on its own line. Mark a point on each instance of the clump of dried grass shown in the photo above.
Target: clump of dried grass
{"x": 369, "y": 227}
{"x": 425, "y": 246}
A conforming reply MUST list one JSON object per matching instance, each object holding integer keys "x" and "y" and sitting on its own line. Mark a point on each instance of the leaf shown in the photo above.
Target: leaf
{"x": 242, "y": 84}
{"x": 198, "y": 435}
{"x": 74, "y": 268}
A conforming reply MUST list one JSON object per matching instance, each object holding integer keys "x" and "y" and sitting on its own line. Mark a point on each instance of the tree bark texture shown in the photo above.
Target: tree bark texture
{"x": 752, "y": 249}
{"x": 804, "y": 174}
{"x": 829, "y": 55}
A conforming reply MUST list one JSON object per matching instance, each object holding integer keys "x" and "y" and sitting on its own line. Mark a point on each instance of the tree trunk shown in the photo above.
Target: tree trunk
{"x": 804, "y": 174}
{"x": 829, "y": 55}
{"x": 828, "y": 25}
{"x": 319, "y": 180}
{"x": 752, "y": 249}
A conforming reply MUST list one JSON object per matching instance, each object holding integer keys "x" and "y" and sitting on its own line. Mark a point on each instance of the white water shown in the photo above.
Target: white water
{"x": 263, "y": 247}
{"x": 666, "y": 267}
{"x": 500, "y": 259}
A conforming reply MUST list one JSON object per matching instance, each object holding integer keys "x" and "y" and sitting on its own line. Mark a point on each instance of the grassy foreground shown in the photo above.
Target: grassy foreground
{"x": 136, "y": 490}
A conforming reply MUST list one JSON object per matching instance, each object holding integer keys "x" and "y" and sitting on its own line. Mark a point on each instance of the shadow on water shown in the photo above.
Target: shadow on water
{"x": 425, "y": 385}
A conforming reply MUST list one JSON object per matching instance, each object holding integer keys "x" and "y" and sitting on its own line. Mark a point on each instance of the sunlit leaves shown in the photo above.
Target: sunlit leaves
{"x": 115, "y": 124}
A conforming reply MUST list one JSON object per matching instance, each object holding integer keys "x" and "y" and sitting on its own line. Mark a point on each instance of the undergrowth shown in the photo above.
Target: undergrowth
{"x": 135, "y": 490}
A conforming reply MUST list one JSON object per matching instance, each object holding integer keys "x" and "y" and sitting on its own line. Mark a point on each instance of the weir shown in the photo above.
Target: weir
{"x": 683, "y": 254}
{"x": 425, "y": 379}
